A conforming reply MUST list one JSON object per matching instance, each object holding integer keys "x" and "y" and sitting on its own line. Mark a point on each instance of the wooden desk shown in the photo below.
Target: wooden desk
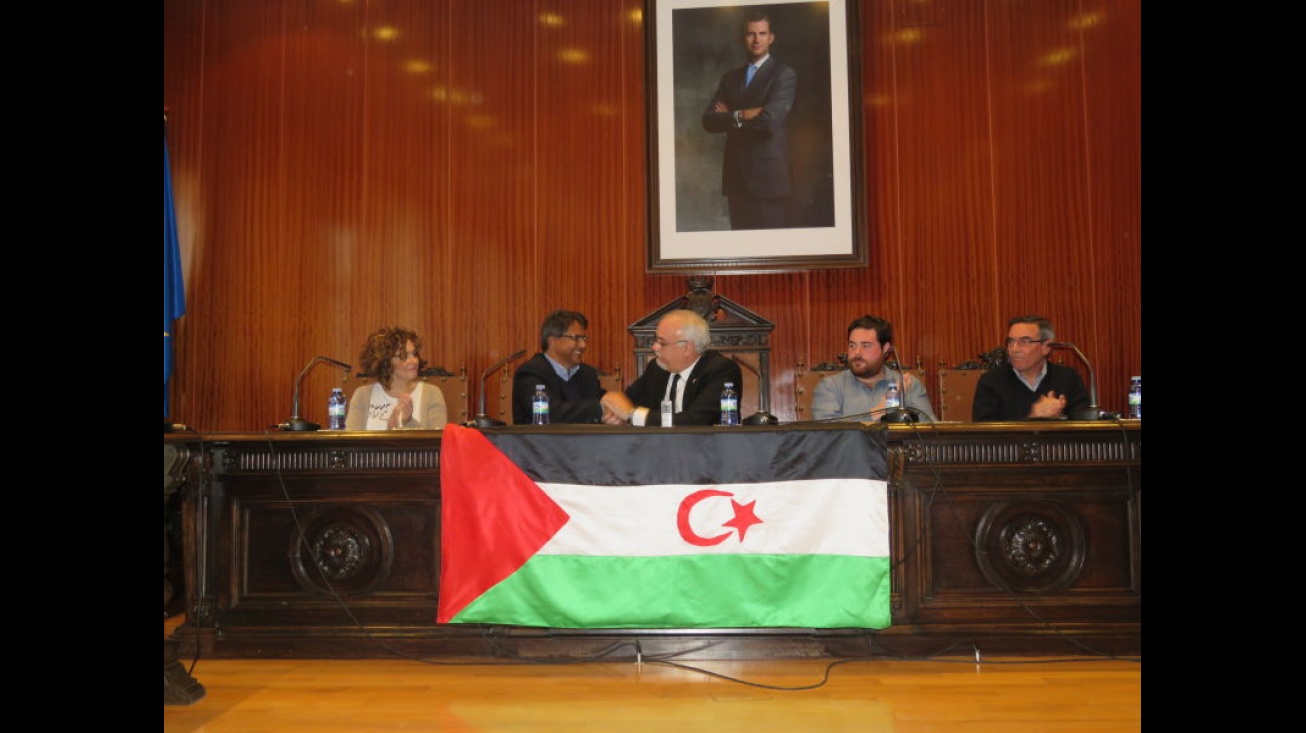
{"x": 1018, "y": 538}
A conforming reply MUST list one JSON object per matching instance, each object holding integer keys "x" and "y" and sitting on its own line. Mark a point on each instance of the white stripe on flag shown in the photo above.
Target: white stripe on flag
{"x": 827, "y": 516}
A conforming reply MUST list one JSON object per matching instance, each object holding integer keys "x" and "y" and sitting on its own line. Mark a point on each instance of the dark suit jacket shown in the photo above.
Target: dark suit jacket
{"x": 701, "y": 397}
{"x": 757, "y": 154}
{"x": 1001, "y": 395}
{"x": 573, "y": 401}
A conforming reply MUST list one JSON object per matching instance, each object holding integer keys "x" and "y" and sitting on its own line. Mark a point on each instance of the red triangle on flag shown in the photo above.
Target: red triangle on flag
{"x": 493, "y": 518}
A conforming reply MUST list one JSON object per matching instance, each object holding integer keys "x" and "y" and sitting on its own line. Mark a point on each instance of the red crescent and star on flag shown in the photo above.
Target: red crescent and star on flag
{"x": 743, "y": 519}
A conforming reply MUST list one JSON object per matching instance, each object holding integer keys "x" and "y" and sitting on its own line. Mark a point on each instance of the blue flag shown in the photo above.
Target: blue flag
{"x": 174, "y": 295}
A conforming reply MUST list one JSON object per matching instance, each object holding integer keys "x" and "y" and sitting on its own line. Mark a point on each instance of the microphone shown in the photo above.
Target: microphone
{"x": 482, "y": 420}
{"x": 1091, "y": 412}
{"x": 297, "y": 423}
{"x": 763, "y": 416}
{"x": 898, "y": 414}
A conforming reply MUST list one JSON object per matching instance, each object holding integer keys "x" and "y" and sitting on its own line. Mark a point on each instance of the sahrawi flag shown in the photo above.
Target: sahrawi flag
{"x": 577, "y": 528}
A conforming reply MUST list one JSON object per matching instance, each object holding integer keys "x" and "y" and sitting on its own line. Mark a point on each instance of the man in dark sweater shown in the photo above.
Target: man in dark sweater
{"x": 1029, "y": 388}
{"x": 573, "y": 387}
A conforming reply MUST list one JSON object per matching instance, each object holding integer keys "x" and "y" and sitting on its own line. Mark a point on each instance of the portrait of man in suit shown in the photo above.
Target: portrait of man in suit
{"x": 751, "y": 108}
{"x": 753, "y": 124}
{"x": 753, "y": 150}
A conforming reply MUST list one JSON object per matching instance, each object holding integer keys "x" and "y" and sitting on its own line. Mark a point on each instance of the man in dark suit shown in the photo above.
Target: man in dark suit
{"x": 685, "y": 371}
{"x": 1030, "y": 388}
{"x": 750, "y": 106}
{"x": 573, "y": 387}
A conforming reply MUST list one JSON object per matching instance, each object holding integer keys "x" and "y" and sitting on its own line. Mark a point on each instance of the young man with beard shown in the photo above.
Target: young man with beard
{"x": 858, "y": 393}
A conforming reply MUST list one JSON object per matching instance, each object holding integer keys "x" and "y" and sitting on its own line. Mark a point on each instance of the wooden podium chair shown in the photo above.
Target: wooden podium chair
{"x": 457, "y": 398}
{"x": 805, "y": 382}
{"x": 957, "y": 393}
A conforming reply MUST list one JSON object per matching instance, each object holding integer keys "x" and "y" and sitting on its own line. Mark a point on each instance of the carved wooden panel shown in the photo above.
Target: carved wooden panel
{"x": 1001, "y": 521}
{"x": 320, "y": 544}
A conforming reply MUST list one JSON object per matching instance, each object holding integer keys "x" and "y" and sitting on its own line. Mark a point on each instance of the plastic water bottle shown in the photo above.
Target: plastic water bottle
{"x": 892, "y": 400}
{"x": 1136, "y": 398}
{"x": 540, "y": 406}
{"x": 336, "y": 409}
{"x": 729, "y": 405}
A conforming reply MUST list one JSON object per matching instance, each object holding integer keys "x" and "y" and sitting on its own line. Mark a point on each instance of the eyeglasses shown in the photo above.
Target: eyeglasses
{"x": 664, "y": 344}
{"x": 583, "y": 338}
{"x": 1023, "y": 341}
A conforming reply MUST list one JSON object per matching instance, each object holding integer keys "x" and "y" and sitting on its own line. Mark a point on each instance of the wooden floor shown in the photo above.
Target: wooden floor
{"x": 1010, "y": 694}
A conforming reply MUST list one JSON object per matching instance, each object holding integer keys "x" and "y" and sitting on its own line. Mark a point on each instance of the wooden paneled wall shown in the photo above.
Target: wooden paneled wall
{"x": 461, "y": 167}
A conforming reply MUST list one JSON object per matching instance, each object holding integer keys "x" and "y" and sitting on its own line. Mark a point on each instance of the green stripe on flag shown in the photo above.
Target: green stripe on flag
{"x": 695, "y": 591}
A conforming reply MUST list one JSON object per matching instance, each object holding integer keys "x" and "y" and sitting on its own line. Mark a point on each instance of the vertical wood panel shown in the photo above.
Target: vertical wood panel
{"x": 494, "y": 157}
{"x": 463, "y": 168}
{"x": 1044, "y": 258}
{"x": 1111, "y": 37}
{"x": 582, "y": 120}
{"x": 942, "y": 205}
{"x": 248, "y": 312}
{"x": 183, "y": 83}
{"x": 323, "y": 207}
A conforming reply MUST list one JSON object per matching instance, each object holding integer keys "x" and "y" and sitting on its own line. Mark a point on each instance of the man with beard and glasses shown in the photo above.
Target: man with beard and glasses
{"x": 858, "y": 393}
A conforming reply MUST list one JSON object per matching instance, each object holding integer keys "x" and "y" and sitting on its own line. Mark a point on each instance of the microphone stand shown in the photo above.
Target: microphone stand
{"x": 1091, "y": 412}
{"x": 763, "y": 416}
{"x": 900, "y": 413}
{"x": 482, "y": 420}
{"x": 297, "y": 423}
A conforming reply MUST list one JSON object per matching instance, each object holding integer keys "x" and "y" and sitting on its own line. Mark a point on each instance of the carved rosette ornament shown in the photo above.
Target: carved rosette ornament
{"x": 1030, "y": 546}
{"x": 342, "y": 551}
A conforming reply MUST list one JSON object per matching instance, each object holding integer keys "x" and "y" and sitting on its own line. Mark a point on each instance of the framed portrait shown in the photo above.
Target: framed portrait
{"x": 754, "y": 124}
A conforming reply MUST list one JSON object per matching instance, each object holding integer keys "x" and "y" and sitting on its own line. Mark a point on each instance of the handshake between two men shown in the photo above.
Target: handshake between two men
{"x": 685, "y": 371}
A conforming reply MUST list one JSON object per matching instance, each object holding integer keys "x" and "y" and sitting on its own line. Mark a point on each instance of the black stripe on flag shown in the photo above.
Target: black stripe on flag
{"x": 629, "y": 457}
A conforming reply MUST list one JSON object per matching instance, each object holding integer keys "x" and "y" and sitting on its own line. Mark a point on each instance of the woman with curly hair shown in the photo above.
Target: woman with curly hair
{"x": 397, "y": 398}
